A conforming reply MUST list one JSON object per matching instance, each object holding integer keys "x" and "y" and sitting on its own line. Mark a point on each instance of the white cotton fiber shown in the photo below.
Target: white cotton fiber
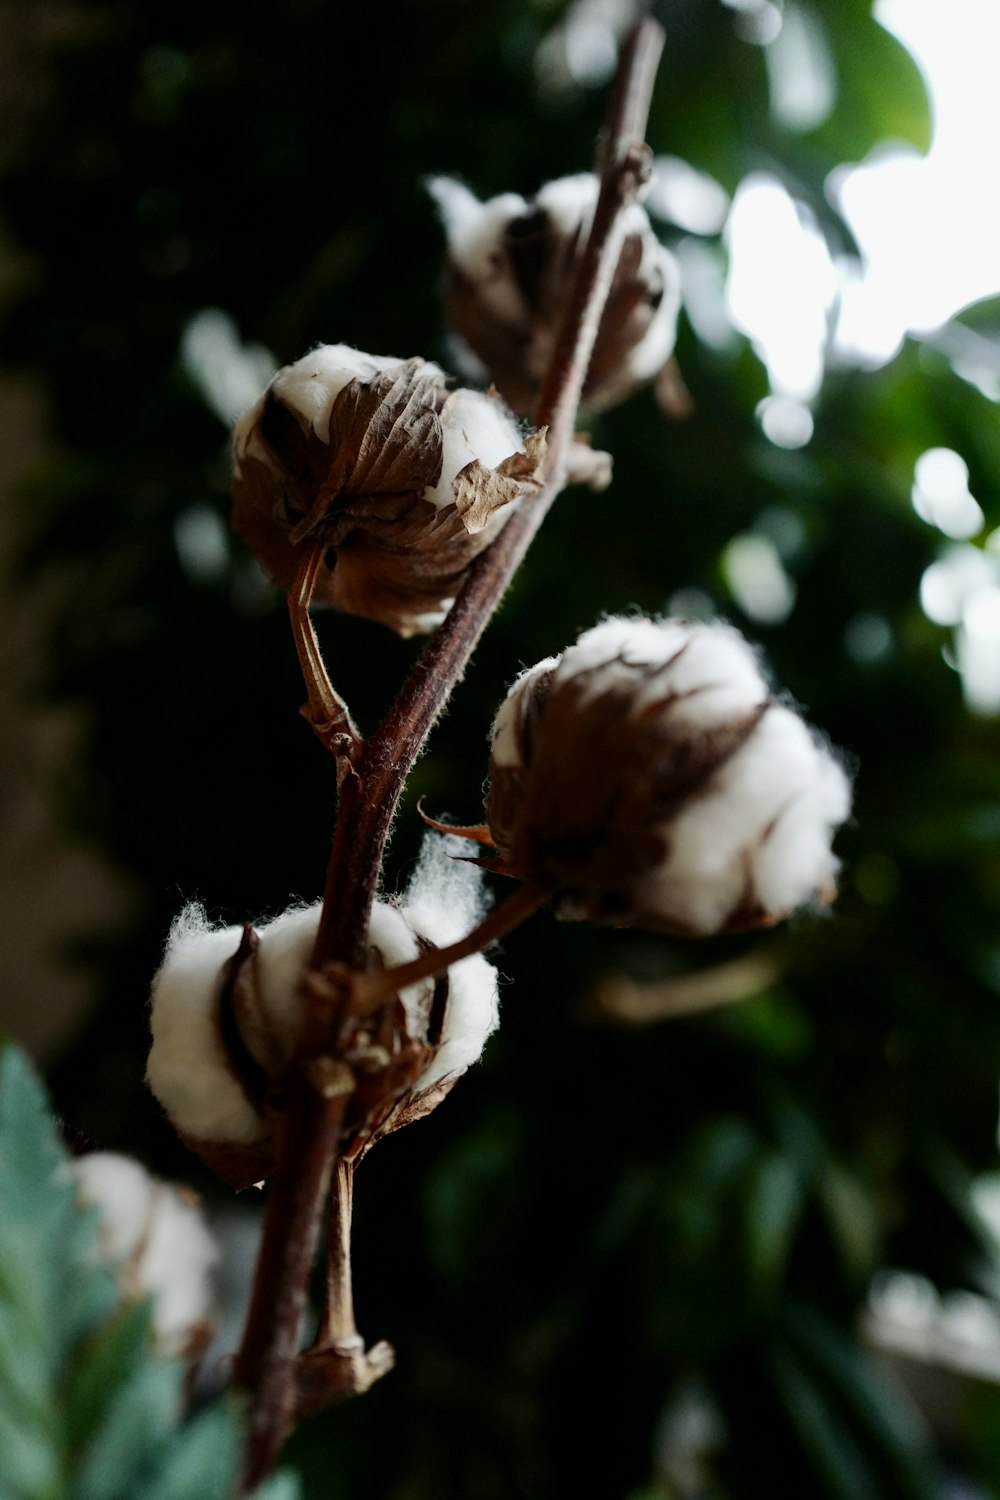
{"x": 157, "y": 1241}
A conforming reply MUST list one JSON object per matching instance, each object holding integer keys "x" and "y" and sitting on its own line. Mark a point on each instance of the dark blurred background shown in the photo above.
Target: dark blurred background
{"x": 656, "y": 1245}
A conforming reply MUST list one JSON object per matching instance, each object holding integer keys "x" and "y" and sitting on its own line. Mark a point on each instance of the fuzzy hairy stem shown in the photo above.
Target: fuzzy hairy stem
{"x": 372, "y": 777}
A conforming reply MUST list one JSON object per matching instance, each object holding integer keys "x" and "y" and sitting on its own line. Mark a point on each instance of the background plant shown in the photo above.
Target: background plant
{"x": 726, "y": 1184}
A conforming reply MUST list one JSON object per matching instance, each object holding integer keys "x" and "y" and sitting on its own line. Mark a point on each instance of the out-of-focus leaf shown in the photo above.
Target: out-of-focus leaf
{"x": 841, "y": 1466}
{"x": 201, "y": 1461}
{"x": 774, "y": 1202}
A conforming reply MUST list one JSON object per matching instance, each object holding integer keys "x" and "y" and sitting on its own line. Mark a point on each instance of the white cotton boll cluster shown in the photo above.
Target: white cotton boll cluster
{"x": 446, "y": 900}
{"x": 648, "y": 777}
{"x": 156, "y": 1239}
{"x": 473, "y": 426}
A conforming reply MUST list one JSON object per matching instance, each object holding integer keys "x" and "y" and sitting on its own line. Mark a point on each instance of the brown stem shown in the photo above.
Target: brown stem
{"x": 339, "y": 1328}
{"x": 373, "y": 779}
{"x": 385, "y": 763}
{"x": 266, "y": 1362}
{"x": 325, "y": 709}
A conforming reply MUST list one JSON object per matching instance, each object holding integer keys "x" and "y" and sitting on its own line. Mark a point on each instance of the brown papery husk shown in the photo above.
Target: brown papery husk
{"x": 385, "y": 441}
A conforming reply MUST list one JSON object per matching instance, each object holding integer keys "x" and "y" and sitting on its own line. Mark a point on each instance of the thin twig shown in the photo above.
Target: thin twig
{"x": 368, "y": 991}
{"x": 325, "y": 709}
{"x": 371, "y": 785}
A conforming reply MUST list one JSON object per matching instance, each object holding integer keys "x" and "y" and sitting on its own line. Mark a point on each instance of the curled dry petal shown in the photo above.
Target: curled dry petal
{"x": 648, "y": 777}
{"x": 401, "y": 483}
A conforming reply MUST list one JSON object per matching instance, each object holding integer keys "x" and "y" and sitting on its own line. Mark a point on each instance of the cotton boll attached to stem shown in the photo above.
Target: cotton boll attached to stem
{"x": 228, "y": 1011}
{"x": 510, "y": 264}
{"x": 369, "y": 470}
{"x": 648, "y": 777}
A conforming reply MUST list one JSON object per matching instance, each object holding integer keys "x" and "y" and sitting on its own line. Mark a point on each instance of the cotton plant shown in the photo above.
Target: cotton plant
{"x": 649, "y": 775}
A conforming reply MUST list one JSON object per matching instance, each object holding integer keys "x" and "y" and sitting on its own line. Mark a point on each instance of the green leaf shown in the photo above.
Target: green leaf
{"x": 136, "y": 1425}
{"x": 283, "y": 1486}
{"x": 202, "y": 1460}
{"x": 774, "y": 1205}
{"x": 106, "y": 1362}
{"x": 824, "y": 1435}
{"x": 87, "y": 1410}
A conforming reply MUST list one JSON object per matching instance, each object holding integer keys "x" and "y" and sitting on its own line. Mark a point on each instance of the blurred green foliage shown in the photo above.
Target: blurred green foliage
{"x": 599, "y": 1216}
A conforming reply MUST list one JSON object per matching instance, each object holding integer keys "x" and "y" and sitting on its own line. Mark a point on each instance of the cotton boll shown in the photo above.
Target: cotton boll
{"x": 369, "y": 469}
{"x": 661, "y": 785}
{"x": 158, "y": 1242}
{"x": 187, "y": 1069}
{"x": 511, "y": 264}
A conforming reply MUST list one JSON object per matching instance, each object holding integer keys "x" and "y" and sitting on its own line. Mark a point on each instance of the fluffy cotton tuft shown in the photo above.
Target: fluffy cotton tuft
{"x": 648, "y": 777}
{"x": 187, "y": 1069}
{"x": 473, "y": 425}
{"x": 157, "y": 1240}
{"x": 446, "y": 900}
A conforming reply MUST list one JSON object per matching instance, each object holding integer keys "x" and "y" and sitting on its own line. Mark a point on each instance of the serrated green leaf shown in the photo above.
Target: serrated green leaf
{"x": 132, "y": 1435}
{"x": 202, "y": 1461}
{"x": 106, "y": 1363}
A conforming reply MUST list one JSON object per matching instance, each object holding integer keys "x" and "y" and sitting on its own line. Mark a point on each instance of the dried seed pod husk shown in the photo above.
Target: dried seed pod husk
{"x": 399, "y": 483}
{"x": 509, "y": 269}
{"x": 648, "y": 777}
